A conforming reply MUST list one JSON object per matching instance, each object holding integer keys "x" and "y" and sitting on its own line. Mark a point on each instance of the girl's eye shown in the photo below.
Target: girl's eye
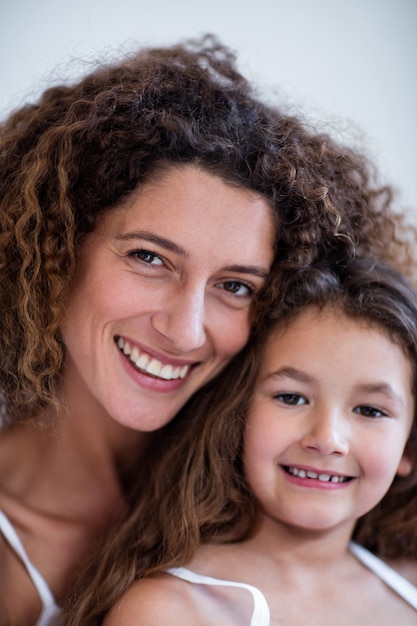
{"x": 237, "y": 288}
{"x": 150, "y": 258}
{"x": 369, "y": 411}
{"x": 293, "y": 399}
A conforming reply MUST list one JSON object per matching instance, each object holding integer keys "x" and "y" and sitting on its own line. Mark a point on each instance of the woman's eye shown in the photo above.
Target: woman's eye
{"x": 150, "y": 258}
{"x": 369, "y": 411}
{"x": 237, "y": 288}
{"x": 292, "y": 399}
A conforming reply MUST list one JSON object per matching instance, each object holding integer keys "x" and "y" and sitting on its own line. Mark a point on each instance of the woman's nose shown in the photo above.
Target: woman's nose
{"x": 181, "y": 320}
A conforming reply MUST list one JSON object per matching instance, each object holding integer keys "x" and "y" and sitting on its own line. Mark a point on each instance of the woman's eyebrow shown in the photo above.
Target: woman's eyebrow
{"x": 248, "y": 269}
{"x": 167, "y": 244}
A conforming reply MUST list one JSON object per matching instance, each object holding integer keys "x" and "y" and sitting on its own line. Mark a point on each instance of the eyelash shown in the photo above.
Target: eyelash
{"x": 138, "y": 254}
{"x": 239, "y": 283}
{"x": 293, "y": 399}
{"x": 365, "y": 410}
{"x": 286, "y": 398}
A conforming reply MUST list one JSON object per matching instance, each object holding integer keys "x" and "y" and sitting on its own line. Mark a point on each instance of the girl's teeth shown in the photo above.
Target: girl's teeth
{"x": 309, "y": 474}
{"x": 134, "y": 355}
{"x": 325, "y": 477}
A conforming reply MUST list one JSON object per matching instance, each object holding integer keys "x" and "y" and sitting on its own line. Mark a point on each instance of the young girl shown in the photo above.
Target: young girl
{"x": 306, "y": 451}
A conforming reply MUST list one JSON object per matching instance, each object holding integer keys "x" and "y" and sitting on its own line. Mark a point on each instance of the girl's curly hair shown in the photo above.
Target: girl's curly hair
{"x": 82, "y": 148}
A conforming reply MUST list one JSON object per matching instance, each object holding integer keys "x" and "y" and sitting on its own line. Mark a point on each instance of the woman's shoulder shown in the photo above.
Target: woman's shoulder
{"x": 162, "y": 599}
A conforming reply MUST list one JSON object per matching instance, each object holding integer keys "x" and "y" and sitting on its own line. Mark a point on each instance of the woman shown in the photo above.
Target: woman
{"x": 141, "y": 210}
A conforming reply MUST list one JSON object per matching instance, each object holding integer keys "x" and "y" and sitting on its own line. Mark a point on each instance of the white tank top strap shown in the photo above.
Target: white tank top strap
{"x": 393, "y": 579}
{"x": 260, "y": 615}
{"x": 49, "y": 607}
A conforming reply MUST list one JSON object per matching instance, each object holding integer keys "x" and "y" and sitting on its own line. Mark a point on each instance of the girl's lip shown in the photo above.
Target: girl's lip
{"x": 318, "y": 475}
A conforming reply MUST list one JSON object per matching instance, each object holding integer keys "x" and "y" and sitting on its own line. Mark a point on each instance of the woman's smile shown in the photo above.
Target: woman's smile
{"x": 144, "y": 362}
{"x": 172, "y": 305}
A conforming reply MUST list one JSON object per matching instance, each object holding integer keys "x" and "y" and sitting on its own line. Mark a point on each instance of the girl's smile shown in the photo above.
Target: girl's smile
{"x": 329, "y": 420}
{"x": 314, "y": 478}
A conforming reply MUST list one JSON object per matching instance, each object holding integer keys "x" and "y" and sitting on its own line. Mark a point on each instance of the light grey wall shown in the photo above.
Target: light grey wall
{"x": 350, "y": 65}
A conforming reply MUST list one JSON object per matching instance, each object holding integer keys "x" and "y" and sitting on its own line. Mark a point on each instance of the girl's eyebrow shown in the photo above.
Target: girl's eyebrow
{"x": 169, "y": 245}
{"x": 382, "y": 388}
{"x": 291, "y": 372}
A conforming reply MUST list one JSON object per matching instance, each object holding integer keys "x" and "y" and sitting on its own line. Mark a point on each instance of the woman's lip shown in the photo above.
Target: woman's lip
{"x": 160, "y": 356}
{"x": 146, "y": 365}
{"x": 154, "y": 376}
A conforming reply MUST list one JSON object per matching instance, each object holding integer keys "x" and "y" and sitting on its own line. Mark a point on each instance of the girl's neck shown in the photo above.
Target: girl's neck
{"x": 285, "y": 542}
{"x": 276, "y": 548}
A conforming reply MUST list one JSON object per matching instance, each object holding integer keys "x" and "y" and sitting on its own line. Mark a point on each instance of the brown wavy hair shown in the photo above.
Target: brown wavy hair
{"x": 192, "y": 489}
{"x": 83, "y": 147}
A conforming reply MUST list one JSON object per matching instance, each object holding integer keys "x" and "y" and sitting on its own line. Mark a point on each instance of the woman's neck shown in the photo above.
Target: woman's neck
{"x": 76, "y": 467}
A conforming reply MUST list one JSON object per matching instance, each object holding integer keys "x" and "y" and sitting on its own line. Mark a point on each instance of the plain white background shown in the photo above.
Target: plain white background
{"x": 348, "y": 65}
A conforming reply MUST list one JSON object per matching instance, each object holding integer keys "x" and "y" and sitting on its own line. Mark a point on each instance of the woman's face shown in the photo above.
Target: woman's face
{"x": 163, "y": 295}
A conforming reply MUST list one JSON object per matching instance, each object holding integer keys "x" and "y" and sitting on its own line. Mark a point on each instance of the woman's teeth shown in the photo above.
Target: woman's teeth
{"x": 327, "y": 478}
{"x": 148, "y": 364}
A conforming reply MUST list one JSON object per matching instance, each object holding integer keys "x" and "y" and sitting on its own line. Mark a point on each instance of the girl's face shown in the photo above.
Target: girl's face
{"x": 163, "y": 295}
{"x": 328, "y": 423}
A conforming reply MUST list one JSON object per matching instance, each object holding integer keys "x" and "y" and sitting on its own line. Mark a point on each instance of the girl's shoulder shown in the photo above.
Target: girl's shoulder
{"x": 169, "y": 598}
{"x": 400, "y": 575}
{"x": 162, "y": 599}
{"x": 406, "y": 568}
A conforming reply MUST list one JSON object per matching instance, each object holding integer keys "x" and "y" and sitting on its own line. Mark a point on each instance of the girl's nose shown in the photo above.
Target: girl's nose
{"x": 327, "y": 434}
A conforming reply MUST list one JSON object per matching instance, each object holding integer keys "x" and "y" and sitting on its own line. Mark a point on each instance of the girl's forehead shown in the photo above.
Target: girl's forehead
{"x": 309, "y": 316}
{"x": 298, "y": 329}
{"x": 331, "y": 317}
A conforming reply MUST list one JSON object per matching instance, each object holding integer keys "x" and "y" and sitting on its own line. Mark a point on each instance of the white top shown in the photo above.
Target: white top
{"x": 261, "y": 615}
{"x": 50, "y": 608}
{"x": 393, "y": 579}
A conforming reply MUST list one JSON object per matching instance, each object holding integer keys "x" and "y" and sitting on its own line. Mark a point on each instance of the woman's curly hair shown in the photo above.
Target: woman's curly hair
{"x": 82, "y": 148}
